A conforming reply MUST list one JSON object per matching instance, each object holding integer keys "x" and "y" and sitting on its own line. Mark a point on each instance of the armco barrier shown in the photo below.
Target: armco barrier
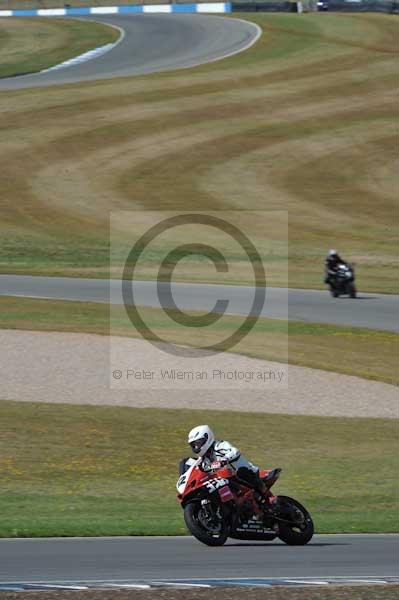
{"x": 384, "y": 6}
{"x": 204, "y": 7}
{"x": 263, "y": 7}
{"x": 295, "y": 6}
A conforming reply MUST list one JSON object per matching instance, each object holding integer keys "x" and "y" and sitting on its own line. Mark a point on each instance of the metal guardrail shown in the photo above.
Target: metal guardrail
{"x": 381, "y": 6}
{"x": 21, "y": 5}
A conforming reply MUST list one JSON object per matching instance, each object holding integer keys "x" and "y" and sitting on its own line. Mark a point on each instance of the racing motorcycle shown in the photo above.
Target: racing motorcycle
{"x": 218, "y": 505}
{"x": 343, "y": 281}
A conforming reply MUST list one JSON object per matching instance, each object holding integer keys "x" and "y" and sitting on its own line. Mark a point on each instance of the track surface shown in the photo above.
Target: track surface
{"x": 375, "y": 311}
{"x": 152, "y": 43}
{"x": 143, "y": 558}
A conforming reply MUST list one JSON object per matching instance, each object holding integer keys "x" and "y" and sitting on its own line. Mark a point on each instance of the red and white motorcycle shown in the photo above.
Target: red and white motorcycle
{"x": 217, "y": 505}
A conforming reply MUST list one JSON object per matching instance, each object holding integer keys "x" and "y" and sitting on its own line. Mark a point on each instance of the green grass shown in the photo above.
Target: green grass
{"x": 31, "y": 45}
{"x": 23, "y": 4}
{"x": 78, "y": 470}
{"x": 305, "y": 122}
{"x": 350, "y": 350}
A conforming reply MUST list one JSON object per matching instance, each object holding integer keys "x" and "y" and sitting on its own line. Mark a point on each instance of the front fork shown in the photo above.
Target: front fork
{"x": 212, "y": 513}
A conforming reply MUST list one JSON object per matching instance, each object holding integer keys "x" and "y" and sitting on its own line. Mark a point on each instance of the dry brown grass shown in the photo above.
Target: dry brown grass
{"x": 306, "y": 121}
{"x": 31, "y": 45}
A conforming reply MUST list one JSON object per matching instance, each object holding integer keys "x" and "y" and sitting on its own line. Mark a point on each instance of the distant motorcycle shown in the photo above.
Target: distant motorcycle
{"x": 217, "y": 505}
{"x": 343, "y": 281}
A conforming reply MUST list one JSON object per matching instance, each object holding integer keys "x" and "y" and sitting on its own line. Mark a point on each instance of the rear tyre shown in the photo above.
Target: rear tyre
{"x": 301, "y": 529}
{"x": 214, "y": 535}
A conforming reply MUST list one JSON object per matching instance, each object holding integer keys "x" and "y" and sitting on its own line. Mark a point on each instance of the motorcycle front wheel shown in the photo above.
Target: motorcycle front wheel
{"x": 351, "y": 290}
{"x": 333, "y": 291}
{"x": 297, "y": 529}
{"x": 213, "y": 535}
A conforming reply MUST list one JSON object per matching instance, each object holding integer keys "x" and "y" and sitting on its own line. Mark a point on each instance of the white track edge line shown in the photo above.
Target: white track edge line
{"x": 96, "y": 52}
{"x": 259, "y": 32}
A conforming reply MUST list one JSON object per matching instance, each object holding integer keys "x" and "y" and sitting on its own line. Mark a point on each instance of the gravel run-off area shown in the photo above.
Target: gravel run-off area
{"x": 92, "y": 369}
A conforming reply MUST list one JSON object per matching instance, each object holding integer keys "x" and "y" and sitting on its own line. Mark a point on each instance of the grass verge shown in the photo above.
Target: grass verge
{"x": 350, "y": 350}
{"x": 78, "y": 470}
{"x": 31, "y": 45}
{"x": 305, "y": 121}
{"x": 370, "y": 592}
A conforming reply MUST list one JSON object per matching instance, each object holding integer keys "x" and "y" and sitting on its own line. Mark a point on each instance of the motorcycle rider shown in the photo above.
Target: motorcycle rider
{"x": 203, "y": 443}
{"x": 332, "y": 262}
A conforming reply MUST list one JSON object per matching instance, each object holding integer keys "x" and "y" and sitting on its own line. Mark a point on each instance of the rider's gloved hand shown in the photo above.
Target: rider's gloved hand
{"x": 217, "y": 464}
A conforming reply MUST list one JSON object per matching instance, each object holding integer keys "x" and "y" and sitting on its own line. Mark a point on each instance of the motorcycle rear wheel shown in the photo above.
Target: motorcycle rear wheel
{"x": 291, "y": 533}
{"x": 191, "y": 518}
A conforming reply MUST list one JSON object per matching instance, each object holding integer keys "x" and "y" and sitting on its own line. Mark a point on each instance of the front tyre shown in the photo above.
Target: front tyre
{"x": 297, "y": 527}
{"x": 351, "y": 290}
{"x": 210, "y": 532}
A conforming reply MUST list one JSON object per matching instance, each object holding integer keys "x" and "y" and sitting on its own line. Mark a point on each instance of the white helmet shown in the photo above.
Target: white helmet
{"x": 201, "y": 439}
{"x": 332, "y": 252}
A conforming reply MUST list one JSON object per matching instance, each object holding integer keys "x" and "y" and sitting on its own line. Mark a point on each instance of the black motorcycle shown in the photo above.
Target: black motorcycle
{"x": 343, "y": 281}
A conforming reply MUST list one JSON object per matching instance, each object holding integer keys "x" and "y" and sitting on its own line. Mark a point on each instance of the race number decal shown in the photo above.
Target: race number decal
{"x": 214, "y": 484}
{"x": 182, "y": 480}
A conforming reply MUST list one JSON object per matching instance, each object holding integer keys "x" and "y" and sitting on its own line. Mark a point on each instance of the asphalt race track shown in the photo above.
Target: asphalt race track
{"x": 151, "y": 43}
{"x": 170, "y": 558}
{"x": 375, "y": 311}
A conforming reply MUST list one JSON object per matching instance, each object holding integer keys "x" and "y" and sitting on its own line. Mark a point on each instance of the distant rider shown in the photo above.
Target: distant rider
{"x": 203, "y": 443}
{"x": 332, "y": 263}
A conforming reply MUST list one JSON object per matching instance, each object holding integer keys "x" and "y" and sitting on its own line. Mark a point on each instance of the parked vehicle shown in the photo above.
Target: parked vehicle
{"x": 217, "y": 505}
